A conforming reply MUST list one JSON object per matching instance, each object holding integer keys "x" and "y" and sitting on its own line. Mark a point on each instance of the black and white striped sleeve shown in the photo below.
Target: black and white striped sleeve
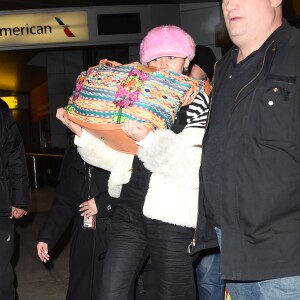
{"x": 197, "y": 113}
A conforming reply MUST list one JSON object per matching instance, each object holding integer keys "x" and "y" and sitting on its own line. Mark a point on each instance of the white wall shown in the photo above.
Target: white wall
{"x": 201, "y": 20}
{"x": 63, "y": 68}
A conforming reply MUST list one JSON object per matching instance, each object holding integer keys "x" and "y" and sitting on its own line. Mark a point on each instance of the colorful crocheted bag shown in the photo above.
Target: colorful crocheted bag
{"x": 108, "y": 93}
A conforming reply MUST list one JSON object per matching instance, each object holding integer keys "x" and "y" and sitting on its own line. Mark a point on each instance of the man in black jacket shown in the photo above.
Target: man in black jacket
{"x": 14, "y": 194}
{"x": 250, "y": 173}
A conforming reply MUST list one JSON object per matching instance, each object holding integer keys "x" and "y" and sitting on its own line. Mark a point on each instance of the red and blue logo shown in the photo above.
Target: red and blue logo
{"x": 67, "y": 31}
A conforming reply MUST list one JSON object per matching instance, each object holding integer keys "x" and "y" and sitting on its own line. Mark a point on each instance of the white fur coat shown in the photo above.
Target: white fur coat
{"x": 97, "y": 153}
{"x": 174, "y": 162}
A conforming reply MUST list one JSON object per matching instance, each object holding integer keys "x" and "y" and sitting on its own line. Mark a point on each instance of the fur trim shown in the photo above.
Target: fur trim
{"x": 166, "y": 149}
{"x": 174, "y": 184}
{"x": 120, "y": 174}
{"x": 174, "y": 199}
{"x": 98, "y": 154}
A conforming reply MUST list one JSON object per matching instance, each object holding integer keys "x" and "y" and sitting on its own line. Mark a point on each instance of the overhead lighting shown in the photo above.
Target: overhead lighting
{"x": 12, "y": 101}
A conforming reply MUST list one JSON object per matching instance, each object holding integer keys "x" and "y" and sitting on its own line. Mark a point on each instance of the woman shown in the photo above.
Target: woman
{"x": 163, "y": 224}
{"x": 82, "y": 192}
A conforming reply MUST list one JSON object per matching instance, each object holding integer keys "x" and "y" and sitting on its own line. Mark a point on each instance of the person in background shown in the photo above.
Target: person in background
{"x": 82, "y": 197}
{"x": 250, "y": 171}
{"x": 210, "y": 285}
{"x": 14, "y": 195}
{"x": 202, "y": 65}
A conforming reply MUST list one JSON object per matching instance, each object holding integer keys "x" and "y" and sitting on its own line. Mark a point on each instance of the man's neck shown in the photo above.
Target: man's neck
{"x": 245, "y": 49}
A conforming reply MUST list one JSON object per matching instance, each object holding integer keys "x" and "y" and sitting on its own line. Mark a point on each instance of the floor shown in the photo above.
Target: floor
{"x": 35, "y": 280}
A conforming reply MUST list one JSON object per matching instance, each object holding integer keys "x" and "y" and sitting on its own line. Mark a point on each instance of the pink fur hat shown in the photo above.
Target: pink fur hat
{"x": 166, "y": 40}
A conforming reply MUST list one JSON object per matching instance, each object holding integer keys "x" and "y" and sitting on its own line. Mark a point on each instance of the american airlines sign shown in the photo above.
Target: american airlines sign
{"x": 43, "y": 28}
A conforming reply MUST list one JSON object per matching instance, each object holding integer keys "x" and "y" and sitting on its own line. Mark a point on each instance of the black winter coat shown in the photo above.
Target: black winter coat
{"x": 14, "y": 183}
{"x": 261, "y": 198}
{"x": 88, "y": 247}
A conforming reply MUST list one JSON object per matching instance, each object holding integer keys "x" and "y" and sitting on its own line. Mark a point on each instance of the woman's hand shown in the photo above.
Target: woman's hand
{"x": 88, "y": 208}
{"x": 135, "y": 130}
{"x": 75, "y": 128}
{"x": 42, "y": 252}
{"x": 17, "y": 213}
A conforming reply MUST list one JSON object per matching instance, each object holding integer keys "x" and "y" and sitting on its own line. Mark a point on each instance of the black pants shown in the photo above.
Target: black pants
{"x": 134, "y": 237}
{"x": 7, "y": 290}
{"x": 131, "y": 242}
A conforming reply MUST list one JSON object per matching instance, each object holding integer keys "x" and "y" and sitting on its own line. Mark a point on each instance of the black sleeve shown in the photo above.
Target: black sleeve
{"x": 69, "y": 196}
{"x": 17, "y": 168}
{"x": 59, "y": 217}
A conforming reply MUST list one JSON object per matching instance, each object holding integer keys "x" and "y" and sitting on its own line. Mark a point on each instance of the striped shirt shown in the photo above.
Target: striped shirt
{"x": 197, "y": 112}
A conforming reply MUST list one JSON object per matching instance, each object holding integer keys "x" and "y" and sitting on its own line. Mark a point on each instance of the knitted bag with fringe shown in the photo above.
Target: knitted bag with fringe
{"x": 109, "y": 93}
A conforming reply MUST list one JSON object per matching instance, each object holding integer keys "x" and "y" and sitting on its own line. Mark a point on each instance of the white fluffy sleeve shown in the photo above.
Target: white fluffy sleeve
{"x": 97, "y": 153}
{"x": 165, "y": 150}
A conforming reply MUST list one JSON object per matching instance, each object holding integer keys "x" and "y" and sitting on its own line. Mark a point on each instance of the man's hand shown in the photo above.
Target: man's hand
{"x": 135, "y": 130}
{"x": 75, "y": 128}
{"x": 18, "y": 213}
{"x": 42, "y": 251}
{"x": 88, "y": 208}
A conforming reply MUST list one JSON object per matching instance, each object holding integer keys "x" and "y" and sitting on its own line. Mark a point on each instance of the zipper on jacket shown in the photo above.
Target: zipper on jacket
{"x": 262, "y": 66}
{"x": 210, "y": 102}
{"x": 192, "y": 244}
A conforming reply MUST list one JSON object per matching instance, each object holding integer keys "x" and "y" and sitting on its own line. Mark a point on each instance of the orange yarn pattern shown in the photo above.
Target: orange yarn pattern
{"x": 109, "y": 93}
{"x": 160, "y": 96}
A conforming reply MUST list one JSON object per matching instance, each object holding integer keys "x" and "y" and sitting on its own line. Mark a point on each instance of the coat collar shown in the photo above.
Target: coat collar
{"x": 279, "y": 37}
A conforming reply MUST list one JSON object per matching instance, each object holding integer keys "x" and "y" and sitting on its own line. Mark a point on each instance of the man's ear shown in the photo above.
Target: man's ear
{"x": 276, "y": 3}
